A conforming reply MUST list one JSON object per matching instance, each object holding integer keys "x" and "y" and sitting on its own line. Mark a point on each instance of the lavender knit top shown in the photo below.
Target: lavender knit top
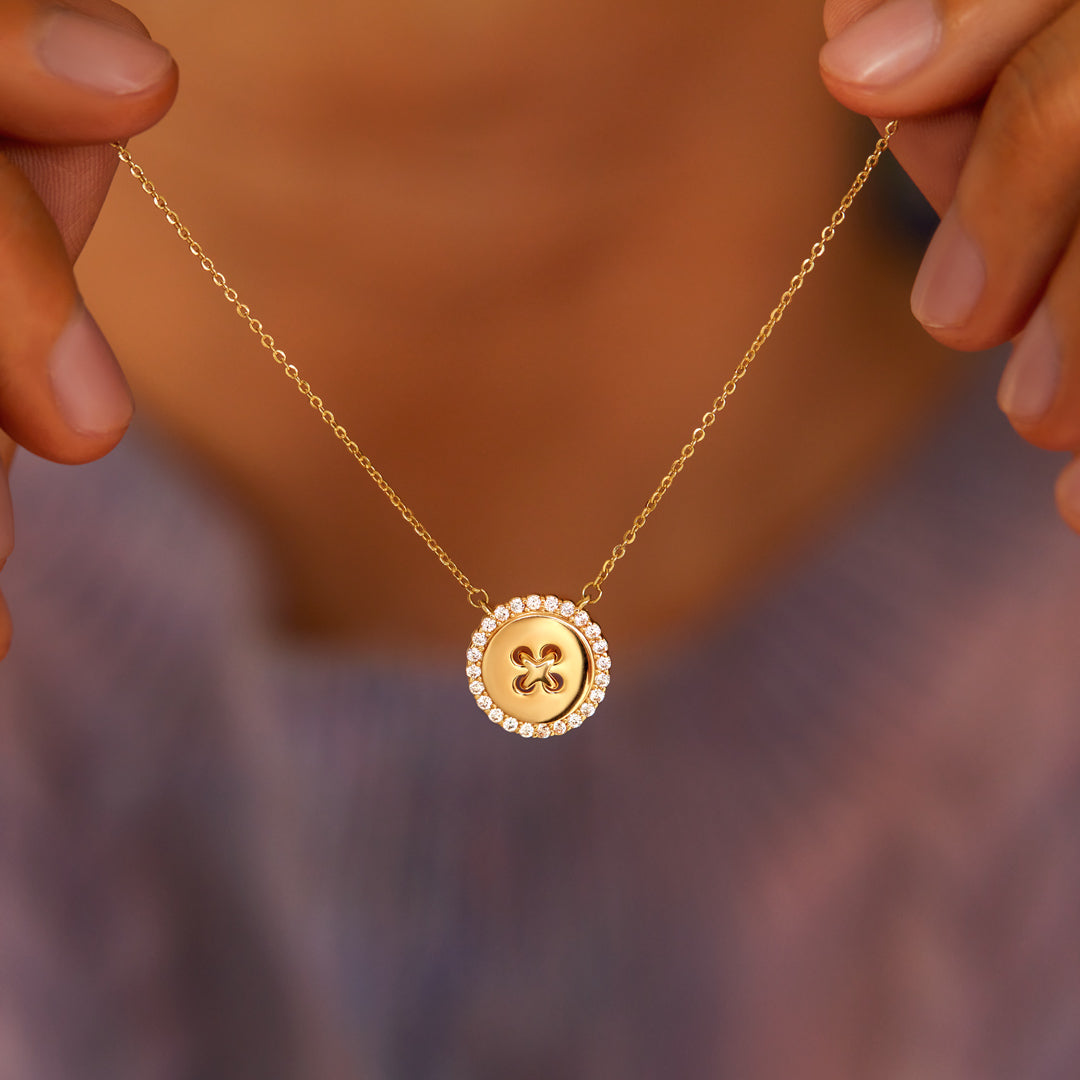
{"x": 839, "y": 839}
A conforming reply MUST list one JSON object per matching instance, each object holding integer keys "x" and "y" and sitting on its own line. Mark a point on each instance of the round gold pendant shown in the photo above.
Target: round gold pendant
{"x": 538, "y": 666}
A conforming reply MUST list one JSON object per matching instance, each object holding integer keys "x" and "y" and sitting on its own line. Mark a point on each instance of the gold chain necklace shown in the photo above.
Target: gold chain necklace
{"x": 536, "y": 665}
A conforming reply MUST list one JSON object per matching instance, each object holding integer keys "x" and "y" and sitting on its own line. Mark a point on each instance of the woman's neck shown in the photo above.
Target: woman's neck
{"x": 519, "y": 294}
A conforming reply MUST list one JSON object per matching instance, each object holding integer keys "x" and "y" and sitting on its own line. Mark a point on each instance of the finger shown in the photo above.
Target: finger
{"x": 7, "y": 517}
{"x": 62, "y": 394}
{"x": 932, "y": 150}
{"x": 81, "y": 73}
{"x": 7, "y": 452}
{"x": 69, "y": 75}
{"x": 1019, "y": 197}
{"x": 1017, "y": 203}
{"x": 70, "y": 181}
{"x": 1040, "y": 388}
{"x": 1068, "y": 494}
{"x": 5, "y": 628}
{"x": 7, "y": 534}
{"x": 930, "y": 63}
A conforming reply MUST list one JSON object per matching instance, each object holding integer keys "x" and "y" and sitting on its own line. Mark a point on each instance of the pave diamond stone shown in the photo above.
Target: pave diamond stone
{"x": 479, "y": 638}
{"x": 551, "y": 603}
{"x": 525, "y": 731}
{"x": 488, "y": 625}
{"x": 496, "y": 716}
{"x": 602, "y": 678}
{"x": 592, "y": 631}
{"x": 597, "y": 695}
{"x": 581, "y": 618}
{"x": 485, "y": 702}
{"x": 566, "y": 609}
{"x": 473, "y": 671}
{"x": 587, "y": 709}
{"x": 517, "y": 605}
{"x": 476, "y": 687}
{"x": 509, "y": 724}
{"x": 603, "y": 663}
{"x": 474, "y": 656}
{"x": 544, "y": 731}
{"x": 533, "y": 603}
{"x": 600, "y": 646}
{"x": 573, "y": 720}
{"x": 502, "y": 613}
{"x": 559, "y": 727}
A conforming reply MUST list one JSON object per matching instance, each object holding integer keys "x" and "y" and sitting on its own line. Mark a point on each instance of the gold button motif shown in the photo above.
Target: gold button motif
{"x": 538, "y": 666}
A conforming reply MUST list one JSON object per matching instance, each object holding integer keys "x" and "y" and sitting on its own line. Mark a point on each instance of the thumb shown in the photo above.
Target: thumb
{"x": 931, "y": 63}
{"x": 70, "y": 77}
{"x": 930, "y": 148}
{"x": 70, "y": 181}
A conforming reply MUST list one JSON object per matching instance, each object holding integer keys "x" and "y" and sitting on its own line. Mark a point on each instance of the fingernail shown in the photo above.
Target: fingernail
{"x": 1033, "y": 373}
{"x": 886, "y": 45}
{"x": 90, "y": 389}
{"x": 99, "y": 55}
{"x": 951, "y": 279}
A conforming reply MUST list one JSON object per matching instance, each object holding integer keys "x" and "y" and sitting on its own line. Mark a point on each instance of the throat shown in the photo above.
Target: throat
{"x": 525, "y": 388}
{"x": 803, "y": 441}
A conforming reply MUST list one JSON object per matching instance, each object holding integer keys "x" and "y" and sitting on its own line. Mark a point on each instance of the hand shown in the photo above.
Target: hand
{"x": 71, "y": 79}
{"x": 988, "y": 92}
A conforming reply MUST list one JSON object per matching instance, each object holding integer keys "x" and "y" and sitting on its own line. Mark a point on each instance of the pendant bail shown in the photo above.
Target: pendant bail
{"x": 480, "y": 600}
{"x": 590, "y": 594}
{"x": 538, "y": 666}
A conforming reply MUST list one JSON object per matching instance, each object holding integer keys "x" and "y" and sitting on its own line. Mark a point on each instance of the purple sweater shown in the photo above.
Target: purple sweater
{"x": 837, "y": 839}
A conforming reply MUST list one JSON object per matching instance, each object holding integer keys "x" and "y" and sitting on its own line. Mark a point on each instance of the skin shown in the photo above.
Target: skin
{"x": 474, "y": 209}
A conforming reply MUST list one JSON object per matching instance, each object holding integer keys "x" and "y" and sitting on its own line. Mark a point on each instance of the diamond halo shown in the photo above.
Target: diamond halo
{"x": 541, "y": 669}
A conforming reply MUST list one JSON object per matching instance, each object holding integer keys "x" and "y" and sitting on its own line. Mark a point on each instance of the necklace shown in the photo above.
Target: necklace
{"x": 536, "y": 665}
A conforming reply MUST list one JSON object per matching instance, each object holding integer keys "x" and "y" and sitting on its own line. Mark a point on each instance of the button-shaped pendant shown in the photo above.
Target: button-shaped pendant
{"x": 538, "y": 666}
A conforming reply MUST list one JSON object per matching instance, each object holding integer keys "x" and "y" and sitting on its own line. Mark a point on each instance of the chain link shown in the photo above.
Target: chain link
{"x": 593, "y": 589}
{"x": 478, "y": 597}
